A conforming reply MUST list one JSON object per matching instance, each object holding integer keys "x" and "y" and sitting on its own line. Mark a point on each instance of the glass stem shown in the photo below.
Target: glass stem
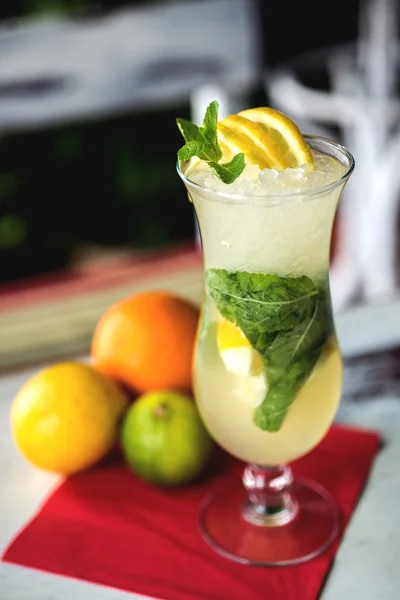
{"x": 269, "y": 500}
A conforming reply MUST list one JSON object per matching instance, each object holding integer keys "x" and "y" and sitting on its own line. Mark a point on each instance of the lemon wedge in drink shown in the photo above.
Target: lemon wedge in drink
{"x": 268, "y": 138}
{"x": 236, "y": 351}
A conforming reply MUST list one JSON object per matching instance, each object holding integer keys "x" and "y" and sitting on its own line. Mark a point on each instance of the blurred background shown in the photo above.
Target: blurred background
{"x": 89, "y": 92}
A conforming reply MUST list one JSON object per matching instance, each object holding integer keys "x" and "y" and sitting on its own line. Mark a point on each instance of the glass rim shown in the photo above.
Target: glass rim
{"x": 312, "y": 191}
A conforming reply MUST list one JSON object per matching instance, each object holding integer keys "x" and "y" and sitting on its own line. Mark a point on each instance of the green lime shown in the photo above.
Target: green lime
{"x": 164, "y": 440}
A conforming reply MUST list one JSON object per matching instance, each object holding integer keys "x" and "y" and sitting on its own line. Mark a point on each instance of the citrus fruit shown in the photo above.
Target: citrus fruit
{"x": 146, "y": 341}
{"x": 236, "y": 351}
{"x": 164, "y": 440}
{"x": 284, "y": 132}
{"x": 268, "y": 137}
{"x": 65, "y": 417}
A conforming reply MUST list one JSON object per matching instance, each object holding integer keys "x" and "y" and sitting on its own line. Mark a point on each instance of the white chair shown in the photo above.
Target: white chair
{"x": 139, "y": 59}
{"x": 135, "y": 59}
{"x": 364, "y": 102}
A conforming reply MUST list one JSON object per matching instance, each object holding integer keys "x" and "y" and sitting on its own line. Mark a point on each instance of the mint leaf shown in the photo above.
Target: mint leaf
{"x": 286, "y": 319}
{"x": 203, "y": 142}
{"x": 261, "y": 303}
{"x": 211, "y": 118}
{"x": 210, "y": 130}
{"x": 208, "y": 153}
{"x": 189, "y": 150}
{"x": 288, "y": 364}
{"x": 229, "y": 171}
{"x": 189, "y": 130}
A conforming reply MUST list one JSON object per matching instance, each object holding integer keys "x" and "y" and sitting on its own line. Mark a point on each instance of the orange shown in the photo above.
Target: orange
{"x": 65, "y": 418}
{"x": 146, "y": 341}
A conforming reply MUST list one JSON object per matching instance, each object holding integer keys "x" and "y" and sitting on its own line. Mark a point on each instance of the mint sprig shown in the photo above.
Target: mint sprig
{"x": 203, "y": 142}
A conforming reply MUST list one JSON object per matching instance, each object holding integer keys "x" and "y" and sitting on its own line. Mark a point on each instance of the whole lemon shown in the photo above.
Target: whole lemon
{"x": 164, "y": 440}
{"x": 65, "y": 418}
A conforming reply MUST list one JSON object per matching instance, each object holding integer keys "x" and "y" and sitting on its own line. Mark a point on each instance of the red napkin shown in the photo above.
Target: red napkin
{"x": 108, "y": 527}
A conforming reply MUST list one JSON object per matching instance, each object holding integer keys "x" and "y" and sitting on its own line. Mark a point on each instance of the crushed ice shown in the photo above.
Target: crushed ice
{"x": 253, "y": 182}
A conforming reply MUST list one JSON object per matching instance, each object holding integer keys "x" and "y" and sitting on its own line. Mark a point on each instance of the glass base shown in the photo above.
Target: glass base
{"x": 269, "y": 540}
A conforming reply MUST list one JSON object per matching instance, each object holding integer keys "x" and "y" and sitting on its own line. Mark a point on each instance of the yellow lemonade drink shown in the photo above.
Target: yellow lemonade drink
{"x": 267, "y": 369}
{"x": 226, "y": 401}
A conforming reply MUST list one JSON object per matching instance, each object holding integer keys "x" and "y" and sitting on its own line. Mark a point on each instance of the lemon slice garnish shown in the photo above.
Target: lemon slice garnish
{"x": 267, "y": 137}
{"x": 236, "y": 351}
{"x": 285, "y": 134}
{"x": 242, "y": 135}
